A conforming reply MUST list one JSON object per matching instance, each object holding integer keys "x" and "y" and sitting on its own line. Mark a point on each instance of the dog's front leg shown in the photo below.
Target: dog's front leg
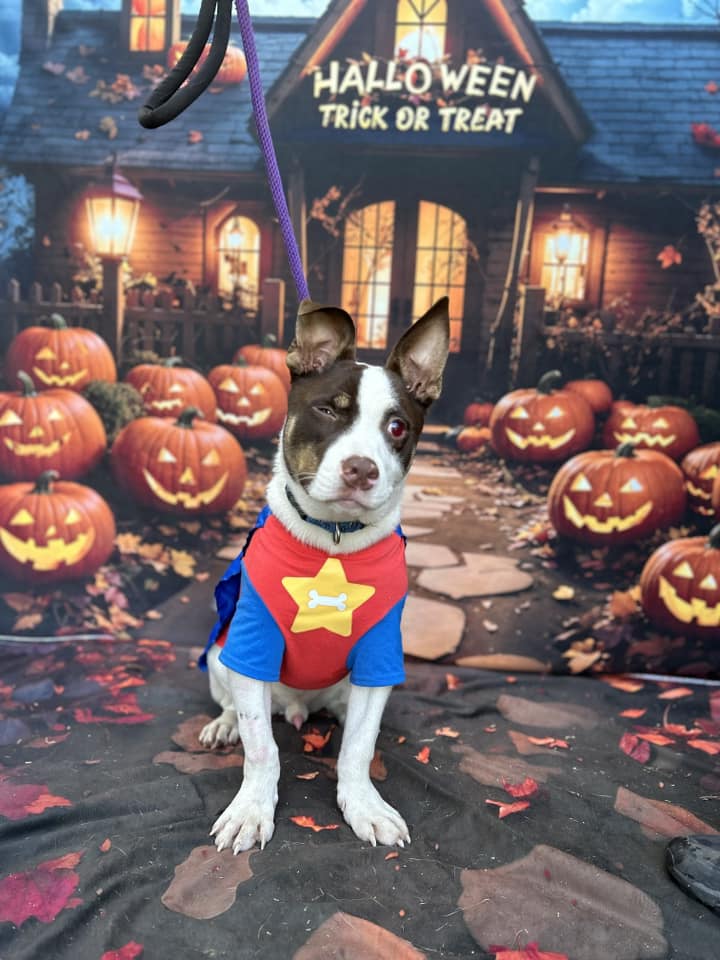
{"x": 363, "y": 808}
{"x": 249, "y": 818}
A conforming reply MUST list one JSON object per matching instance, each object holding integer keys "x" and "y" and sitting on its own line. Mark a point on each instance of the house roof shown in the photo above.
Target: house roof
{"x": 641, "y": 86}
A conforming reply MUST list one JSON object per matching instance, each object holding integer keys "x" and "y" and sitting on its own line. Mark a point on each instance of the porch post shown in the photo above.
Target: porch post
{"x": 298, "y": 209}
{"x": 112, "y": 318}
{"x": 501, "y": 333}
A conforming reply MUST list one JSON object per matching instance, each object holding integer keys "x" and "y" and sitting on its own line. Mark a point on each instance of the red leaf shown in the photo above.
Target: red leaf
{"x": 507, "y": 808}
{"x": 550, "y": 742}
{"x": 314, "y": 740}
{"x": 423, "y": 756}
{"x": 309, "y": 824}
{"x": 634, "y": 747}
{"x": 128, "y": 952}
{"x": 195, "y": 136}
{"x": 675, "y": 693}
{"x": 711, "y": 87}
{"x": 105, "y": 845}
{"x": 707, "y": 746}
{"x": 41, "y": 892}
{"x": 657, "y": 738}
{"x": 669, "y": 256}
{"x": 531, "y": 952}
{"x": 528, "y": 788}
{"x": 19, "y": 800}
{"x": 453, "y": 682}
{"x": 633, "y": 714}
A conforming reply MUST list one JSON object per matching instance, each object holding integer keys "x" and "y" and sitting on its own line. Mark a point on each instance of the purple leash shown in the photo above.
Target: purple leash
{"x": 268, "y": 150}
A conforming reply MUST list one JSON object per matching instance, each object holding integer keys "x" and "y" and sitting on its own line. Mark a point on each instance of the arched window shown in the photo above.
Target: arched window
{"x": 420, "y": 27}
{"x": 441, "y": 264}
{"x": 566, "y": 249}
{"x": 148, "y": 25}
{"x": 239, "y": 261}
{"x": 367, "y": 271}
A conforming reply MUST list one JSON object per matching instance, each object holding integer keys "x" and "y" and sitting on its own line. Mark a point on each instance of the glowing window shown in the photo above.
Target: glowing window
{"x": 420, "y": 27}
{"x": 147, "y": 25}
{"x": 367, "y": 270}
{"x": 239, "y": 261}
{"x": 565, "y": 259}
{"x": 441, "y": 264}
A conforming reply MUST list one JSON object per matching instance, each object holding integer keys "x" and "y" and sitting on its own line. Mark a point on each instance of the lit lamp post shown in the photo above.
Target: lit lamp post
{"x": 112, "y": 210}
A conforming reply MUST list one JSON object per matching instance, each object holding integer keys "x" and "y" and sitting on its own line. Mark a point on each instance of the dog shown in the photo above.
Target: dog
{"x": 318, "y": 591}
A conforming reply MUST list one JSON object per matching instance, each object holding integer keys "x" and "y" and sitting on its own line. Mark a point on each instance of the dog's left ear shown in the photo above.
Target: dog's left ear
{"x": 322, "y": 336}
{"x": 420, "y": 355}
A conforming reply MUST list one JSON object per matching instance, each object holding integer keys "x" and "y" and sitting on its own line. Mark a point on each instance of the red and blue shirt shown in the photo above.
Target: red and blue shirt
{"x": 290, "y": 612}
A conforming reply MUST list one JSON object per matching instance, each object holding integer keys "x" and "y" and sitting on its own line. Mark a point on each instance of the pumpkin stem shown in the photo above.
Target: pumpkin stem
{"x": 549, "y": 381}
{"x": 714, "y": 538}
{"x": 44, "y": 482}
{"x": 58, "y": 322}
{"x": 187, "y": 416}
{"x": 626, "y": 450}
{"x": 26, "y": 382}
{"x": 172, "y": 362}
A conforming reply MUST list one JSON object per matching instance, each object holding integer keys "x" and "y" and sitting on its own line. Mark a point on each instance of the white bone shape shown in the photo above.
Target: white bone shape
{"x": 317, "y": 600}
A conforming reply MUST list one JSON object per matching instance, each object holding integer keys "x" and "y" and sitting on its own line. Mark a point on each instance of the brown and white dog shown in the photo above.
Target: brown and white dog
{"x": 344, "y": 453}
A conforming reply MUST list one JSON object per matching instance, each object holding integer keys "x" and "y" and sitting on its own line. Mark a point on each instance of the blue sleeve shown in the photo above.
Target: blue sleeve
{"x": 376, "y": 660}
{"x": 254, "y": 645}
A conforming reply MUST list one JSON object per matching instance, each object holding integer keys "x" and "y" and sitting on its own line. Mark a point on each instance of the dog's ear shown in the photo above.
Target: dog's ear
{"x": 322, "y": 336}
{"x": 420, "y": 354}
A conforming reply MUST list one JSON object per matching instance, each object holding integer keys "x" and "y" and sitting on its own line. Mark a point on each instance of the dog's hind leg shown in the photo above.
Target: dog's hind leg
{"x": 223, "y": 730}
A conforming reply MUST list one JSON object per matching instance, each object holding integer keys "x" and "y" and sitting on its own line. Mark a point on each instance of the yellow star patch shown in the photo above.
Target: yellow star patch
{"x": 326, "y": 600}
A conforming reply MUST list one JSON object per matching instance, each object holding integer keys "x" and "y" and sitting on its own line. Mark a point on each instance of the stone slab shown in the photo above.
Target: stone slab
{"x": 430, "y": 628}
{"x": 482, "y": 575}
{"x": 429, "y": 555}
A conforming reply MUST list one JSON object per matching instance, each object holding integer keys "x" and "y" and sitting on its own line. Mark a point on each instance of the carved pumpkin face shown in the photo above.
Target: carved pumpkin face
{"x": 603, "y": 497}
{"x": 701, "y": 468}
{"x": 168, "y": 389}
{"x": 184, "y": 466}
{"x": 670, "y": 430}
{"x": 680, "y": 586}
{"x": 51, "y": 532}
{"x": 541, "y": 425}
{"x": 55, "y": 429}
{"x": 251, "y": 400}
{"x": 60, "y": 356}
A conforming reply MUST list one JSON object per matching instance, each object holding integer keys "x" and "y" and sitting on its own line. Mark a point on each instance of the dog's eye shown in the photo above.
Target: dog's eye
{"x": 325, "y": 410}
{"x": 397, "y": 428}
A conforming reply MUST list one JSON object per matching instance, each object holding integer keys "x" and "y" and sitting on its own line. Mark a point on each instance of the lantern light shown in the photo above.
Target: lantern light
{"x": 236, "y": 235}
{"x": 112, "y": 210}
{"x": 564, "y": 233}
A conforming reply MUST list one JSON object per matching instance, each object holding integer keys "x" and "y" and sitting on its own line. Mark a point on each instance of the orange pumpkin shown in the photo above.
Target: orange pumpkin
{"x": 232, "y": 69}
{"x": 671, "y": 430}
{"x": 167, "y": 388}
{"x": 52, "y": 430}
{"x": 680, "y": 586}
{"x": 185, "y": 466}
{"x": 597, "y": 393}
{"x": 52, "y": 531}
{"x": 478, "y": 414}
{"x": 701, "y": 467}
{"x": 542, "y": 425}
{"x": 60, "y": 356}
{"x": 606, "y": 497}
{"x": 716, "y": 497}
{"x": 473, "y": 438}
{"x": 266, "y": 355}
{"x": 251, "y": 400}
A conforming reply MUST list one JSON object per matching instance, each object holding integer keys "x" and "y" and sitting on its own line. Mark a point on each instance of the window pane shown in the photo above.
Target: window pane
{"x": 441, "y": 264}
{"x": 367, "y": 270}
{"x": 420, "y": 27}
{"x": 239, "y": 261}
{"x": 147, "y": 33}
{"x": 565, "y": 276}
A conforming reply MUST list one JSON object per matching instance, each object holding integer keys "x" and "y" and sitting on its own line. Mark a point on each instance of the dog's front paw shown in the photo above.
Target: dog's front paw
{"x": 371, "y": 818}
{"x": 248, "y": 820}
{"x": 220, "y": 732}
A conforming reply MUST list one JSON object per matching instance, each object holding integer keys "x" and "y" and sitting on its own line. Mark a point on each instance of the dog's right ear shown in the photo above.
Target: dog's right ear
{"x": 322, "y": 335}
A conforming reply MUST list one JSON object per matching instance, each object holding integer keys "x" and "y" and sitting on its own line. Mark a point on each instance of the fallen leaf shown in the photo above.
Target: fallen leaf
{"x": 105, "y": 845}
{"x": 182, "y": 562}
{"x": 314, "y": 740}
{"x": 659, "y": 739}
{"x": 506, "y": 809}
{"x": 20, "y": 800}
{"x": 490, "y": 626}
{"x": 424, "y": 755}
{"x": 195, "y": 136}
{"x": 625, "y": 603}
{"x": 205, "y": 883}
{"x": 128, "y": 952}
{"x": 669, "y": 256}
{"x": 707, "y": 746}
{"x": 675, "y": 693}
{"x": 657, "y": 817}
{"x": 446, "y": 732}
{"x": 343, "y": 935}
{"x": 308, "y": 776}
{"x": 622, "y": 683}
{"x": 711, "y": 87}
{"x": 454, "y": 683}
{"x": 564, "y": 593}
{"x": 550, "y": 742}
{"x": 309, "y": 824}
{"x": 393, "y": 855}
{"x": 531, "y": 952}
{"x": 528, "y": 788}
{"x": 635, "y": 748}
{"x": 633, "y": 714}
{"x": 41, "y": 892}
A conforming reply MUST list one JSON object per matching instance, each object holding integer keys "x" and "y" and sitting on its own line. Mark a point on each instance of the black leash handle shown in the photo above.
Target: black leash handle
{"x": 170, "y": 98}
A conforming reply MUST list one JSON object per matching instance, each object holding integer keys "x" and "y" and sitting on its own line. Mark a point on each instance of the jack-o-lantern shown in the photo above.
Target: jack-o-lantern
{"x": 251, "y": 400}
{"x": 701, "y": 468}
{"x": 52, "y": 430}
{"x": 168, "y": 388}
{"x": 597, "y": 393}
{"x": 605, "y": 498}
{"x": 477, "y": 414}
{"x": 266, "y": 355}
{"x": 185, "y": 466}
{"x": 471, "y": 439}
{"x": 232, "y": 69}
{"x": 52, "y": 531}
{"x": 680, "y": 586}
{"x": 715, "y": 502}
{"x": 670, "y": 430}
{"x": 60, "y": 356}
{"x": 542, "y": 425}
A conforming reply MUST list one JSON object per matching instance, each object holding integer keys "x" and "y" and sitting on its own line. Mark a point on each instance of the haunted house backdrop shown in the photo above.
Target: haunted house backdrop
{"x": 558, "y": 181}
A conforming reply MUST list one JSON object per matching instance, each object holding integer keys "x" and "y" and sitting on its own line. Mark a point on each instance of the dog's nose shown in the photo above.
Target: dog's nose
{"x": 361, "y": 472}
